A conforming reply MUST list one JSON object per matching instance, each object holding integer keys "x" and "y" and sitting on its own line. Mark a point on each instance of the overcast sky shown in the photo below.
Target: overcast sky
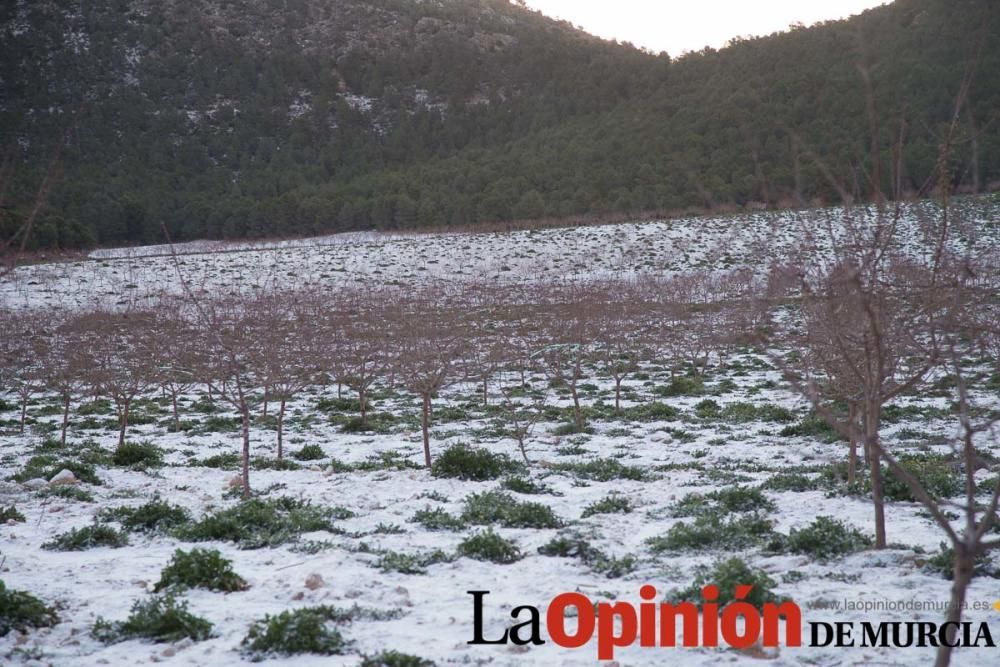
{"x": 676, "y": 26}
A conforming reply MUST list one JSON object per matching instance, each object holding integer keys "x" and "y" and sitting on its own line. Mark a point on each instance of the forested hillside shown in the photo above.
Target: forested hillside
{"x": 233, "y": 118}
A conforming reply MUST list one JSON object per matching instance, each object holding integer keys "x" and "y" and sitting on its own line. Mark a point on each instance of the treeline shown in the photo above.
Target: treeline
{"x": 231, "y": 120}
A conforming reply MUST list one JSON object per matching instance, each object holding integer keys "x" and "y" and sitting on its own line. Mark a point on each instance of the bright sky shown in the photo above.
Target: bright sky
{"x": 676, "y": 26}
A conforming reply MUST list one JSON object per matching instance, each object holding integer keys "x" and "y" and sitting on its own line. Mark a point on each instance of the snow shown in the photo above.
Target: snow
{"x": 437, "y": 612}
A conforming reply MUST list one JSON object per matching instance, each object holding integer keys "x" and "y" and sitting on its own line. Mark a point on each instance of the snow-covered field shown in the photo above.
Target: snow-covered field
{"x": 378, "y": 476}
{"x": 130, "y": 276}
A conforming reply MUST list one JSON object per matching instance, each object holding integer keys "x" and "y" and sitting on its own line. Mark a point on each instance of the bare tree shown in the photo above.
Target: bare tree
{"x": 429, "y": 343}
{"x": 121, "y": 365}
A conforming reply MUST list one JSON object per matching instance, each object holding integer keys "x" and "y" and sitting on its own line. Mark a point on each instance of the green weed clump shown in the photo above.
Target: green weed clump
{"x": 497, "y": 507}
{"x": 727, "y": 575}
{"x": 310, "y": 453}
{"x": 489, "y": 546}
{"x": 257, "y": 523}
{"x": 613, "y": 504}
{"x": 161, "y": 619}
{"x": 10, "y": 514}
{"x": 138, "y": 455}
{"x": 88, "y": 537}
{"x": 200, "y": 568}
{"x": 22, "y": 611}
{"x": 473, "y": 463}
{"x": 710, "y": 531}
{"x": 46, "y": 467}
{"x": 827, "y": 538}
{"x": 527, "y": 486}
{"x": 156, "y": 516}
{"x": 395, "y": 659}
{"x": 602, "y": 470}
{"x": 724, "y": 501}
{"x": 575, "y": 545}
{"x": 306, "y": 630}
{"x": 395, "y": 561}
{"x": 437, "y": 519}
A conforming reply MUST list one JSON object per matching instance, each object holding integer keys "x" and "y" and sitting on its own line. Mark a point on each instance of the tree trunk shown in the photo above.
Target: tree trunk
{"x": 245, "y": 414}
{"x": 618, "y": 394}
{"x": 24, "y": 412}
{"x": 524, "y": 451}
{"x": 962, "y": 575}
{"x": 577, "y": 413}
{"x": 425, "y": 415}
{"x": 878, "y": 499}
{"x": 267, "y": 394}
{"x": 852, "y": 458}
{"x": 123, "y": 422}
{"x": 364, "y": 405}
{"x": 65, "y": 421}
{"x": 177, "y": 417}
{"x": 281, "y": 424}
{"x": 486, "y": 396}
{"x": 340, "y": 389}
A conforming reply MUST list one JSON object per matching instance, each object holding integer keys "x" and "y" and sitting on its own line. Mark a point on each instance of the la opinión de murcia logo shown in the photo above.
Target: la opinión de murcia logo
{"x": 738, "y": 624}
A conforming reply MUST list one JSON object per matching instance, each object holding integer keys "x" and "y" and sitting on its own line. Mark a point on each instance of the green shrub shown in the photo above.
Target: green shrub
{"x": 724, "y": 501}
{"x": 46, "y": 467}
{"x": 437, "y": 519}
{"x": 727, "y": 575}
{"x": 306, "y": 630}
{"x": 527, "y": 486}
{"x": 257, "y": 522}
{"x": 682, "y": 385}
{"x": 395, "y": 659}
{"x": 10, "y": 514}
{"x": 571, "y": 545}
{"x": 138, "y": 455}
{"x": 937, "y": 474}
{"x": 602, "y": 470}
{"x": 391, "y": 460}
{"x": 492, "y": 507}
{"x": 710, "y": 531}
{"x": 88, "y": 537}
{"x": 570, "y": 428}
{"x": 22, "y": 611}
{"x": 200, "y": 568}
{"x": 707, "y": 409}
{"x": 394, "y": 561}
{"x": 156, "y": 516}
{"x": 790, "y": 481}
{"x": 489, "y": 546}
{"x": 67, "y": 493}
{"x": 575, "y": 545}
{"x": 310, "y": 453}
{"x": 265, "y": 463}
{"x": 473, "y": 463}
{"x": 812, "y": 425}
{"x": 161, "y": 619}
{"x": 613, "y": 504}
{"x": 650, "y": 412}
{"x": 227, "y": 461}
{"x": 943, "y": 563}
{"x": 827, "y": 538}
{"x": 769, "y": 412}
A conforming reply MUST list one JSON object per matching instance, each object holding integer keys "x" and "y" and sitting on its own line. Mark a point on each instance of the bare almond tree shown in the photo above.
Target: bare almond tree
{"x": 22, "y": 357}
{"x": 429, "y": 344}
{"x": 120, "y": 361}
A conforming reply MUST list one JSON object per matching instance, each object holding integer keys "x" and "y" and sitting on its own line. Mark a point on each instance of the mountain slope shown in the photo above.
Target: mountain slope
{"x": 226, "y": 118}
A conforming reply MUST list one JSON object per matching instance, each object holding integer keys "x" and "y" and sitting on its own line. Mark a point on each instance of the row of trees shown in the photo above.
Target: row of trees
{"x": 896, "y": 305}
{"x": 267, "y": 347}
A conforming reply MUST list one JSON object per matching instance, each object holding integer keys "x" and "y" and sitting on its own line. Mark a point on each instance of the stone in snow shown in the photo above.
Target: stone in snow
{"x": 64, "y": 476}
{"x": 314, "y": 581}
{"x": 36, "y": 483}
